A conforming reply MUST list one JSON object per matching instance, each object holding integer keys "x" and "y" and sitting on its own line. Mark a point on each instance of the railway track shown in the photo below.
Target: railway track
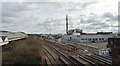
{"x": 62, "y": 57}
{"x": 104, "y": 58}
{"x": 69, "y": 61}
{"x": 101, "y": 59}
{"x": 95, "y": 59}
{"x": 51, "y": 57}
{"x": 91, "y": 60}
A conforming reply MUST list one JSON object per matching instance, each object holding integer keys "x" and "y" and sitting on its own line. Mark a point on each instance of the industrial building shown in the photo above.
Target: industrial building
{"x": 76, "y": 35}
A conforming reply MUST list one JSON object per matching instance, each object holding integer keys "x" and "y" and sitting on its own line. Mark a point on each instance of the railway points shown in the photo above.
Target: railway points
{"x": 73, "y": 57}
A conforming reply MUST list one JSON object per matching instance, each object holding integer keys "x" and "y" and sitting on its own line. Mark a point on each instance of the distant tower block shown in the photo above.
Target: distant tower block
{"x": 67, "y": 24}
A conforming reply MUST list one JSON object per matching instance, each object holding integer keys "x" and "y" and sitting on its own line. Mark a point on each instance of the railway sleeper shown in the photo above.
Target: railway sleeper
{"x": 91, "y": 62}
{"x": 81, "y": 61}
{"x": 64, "y": 61}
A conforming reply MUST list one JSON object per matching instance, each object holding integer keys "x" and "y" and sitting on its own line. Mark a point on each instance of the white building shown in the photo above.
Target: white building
{"x": 76, "y": 35}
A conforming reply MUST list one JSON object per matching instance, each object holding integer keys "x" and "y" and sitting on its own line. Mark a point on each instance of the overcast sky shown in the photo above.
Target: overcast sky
{"x": 43, "y": 17}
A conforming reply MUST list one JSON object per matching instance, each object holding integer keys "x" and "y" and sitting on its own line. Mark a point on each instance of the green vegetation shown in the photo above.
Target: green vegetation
{"x": 28, "y": 51}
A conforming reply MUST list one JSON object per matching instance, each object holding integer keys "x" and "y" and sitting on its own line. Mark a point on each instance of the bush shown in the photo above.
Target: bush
{"x": 23, "y": 52}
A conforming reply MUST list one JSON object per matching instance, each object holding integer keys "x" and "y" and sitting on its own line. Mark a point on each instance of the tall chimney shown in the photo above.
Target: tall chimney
{"x": 66, "y": 24}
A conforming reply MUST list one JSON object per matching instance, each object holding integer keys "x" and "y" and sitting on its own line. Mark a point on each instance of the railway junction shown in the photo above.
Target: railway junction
{"x": 57, "y": 53}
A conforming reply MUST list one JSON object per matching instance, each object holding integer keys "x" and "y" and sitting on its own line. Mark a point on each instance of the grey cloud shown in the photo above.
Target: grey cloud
{"x": 28, "y": 19}
{"x": 98, "y": 23}
{"x": 88, "y": 3}
{"x": 111, "y": 16}
{"x": 14, "y": 9}
{"x": 95, "y": 23}
{"x": 67, "y": 6}
{"x": 79, "y": 6}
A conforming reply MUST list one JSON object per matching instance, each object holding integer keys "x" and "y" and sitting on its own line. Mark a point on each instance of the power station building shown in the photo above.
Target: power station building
{"x": 76, "y": 35}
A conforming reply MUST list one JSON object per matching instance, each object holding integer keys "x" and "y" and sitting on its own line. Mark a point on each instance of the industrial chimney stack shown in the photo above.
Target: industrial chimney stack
{"x": 67, "y": 24}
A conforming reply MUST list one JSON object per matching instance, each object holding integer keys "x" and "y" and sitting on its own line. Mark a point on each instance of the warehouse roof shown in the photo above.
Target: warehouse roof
{"x": 96, "y": 33}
